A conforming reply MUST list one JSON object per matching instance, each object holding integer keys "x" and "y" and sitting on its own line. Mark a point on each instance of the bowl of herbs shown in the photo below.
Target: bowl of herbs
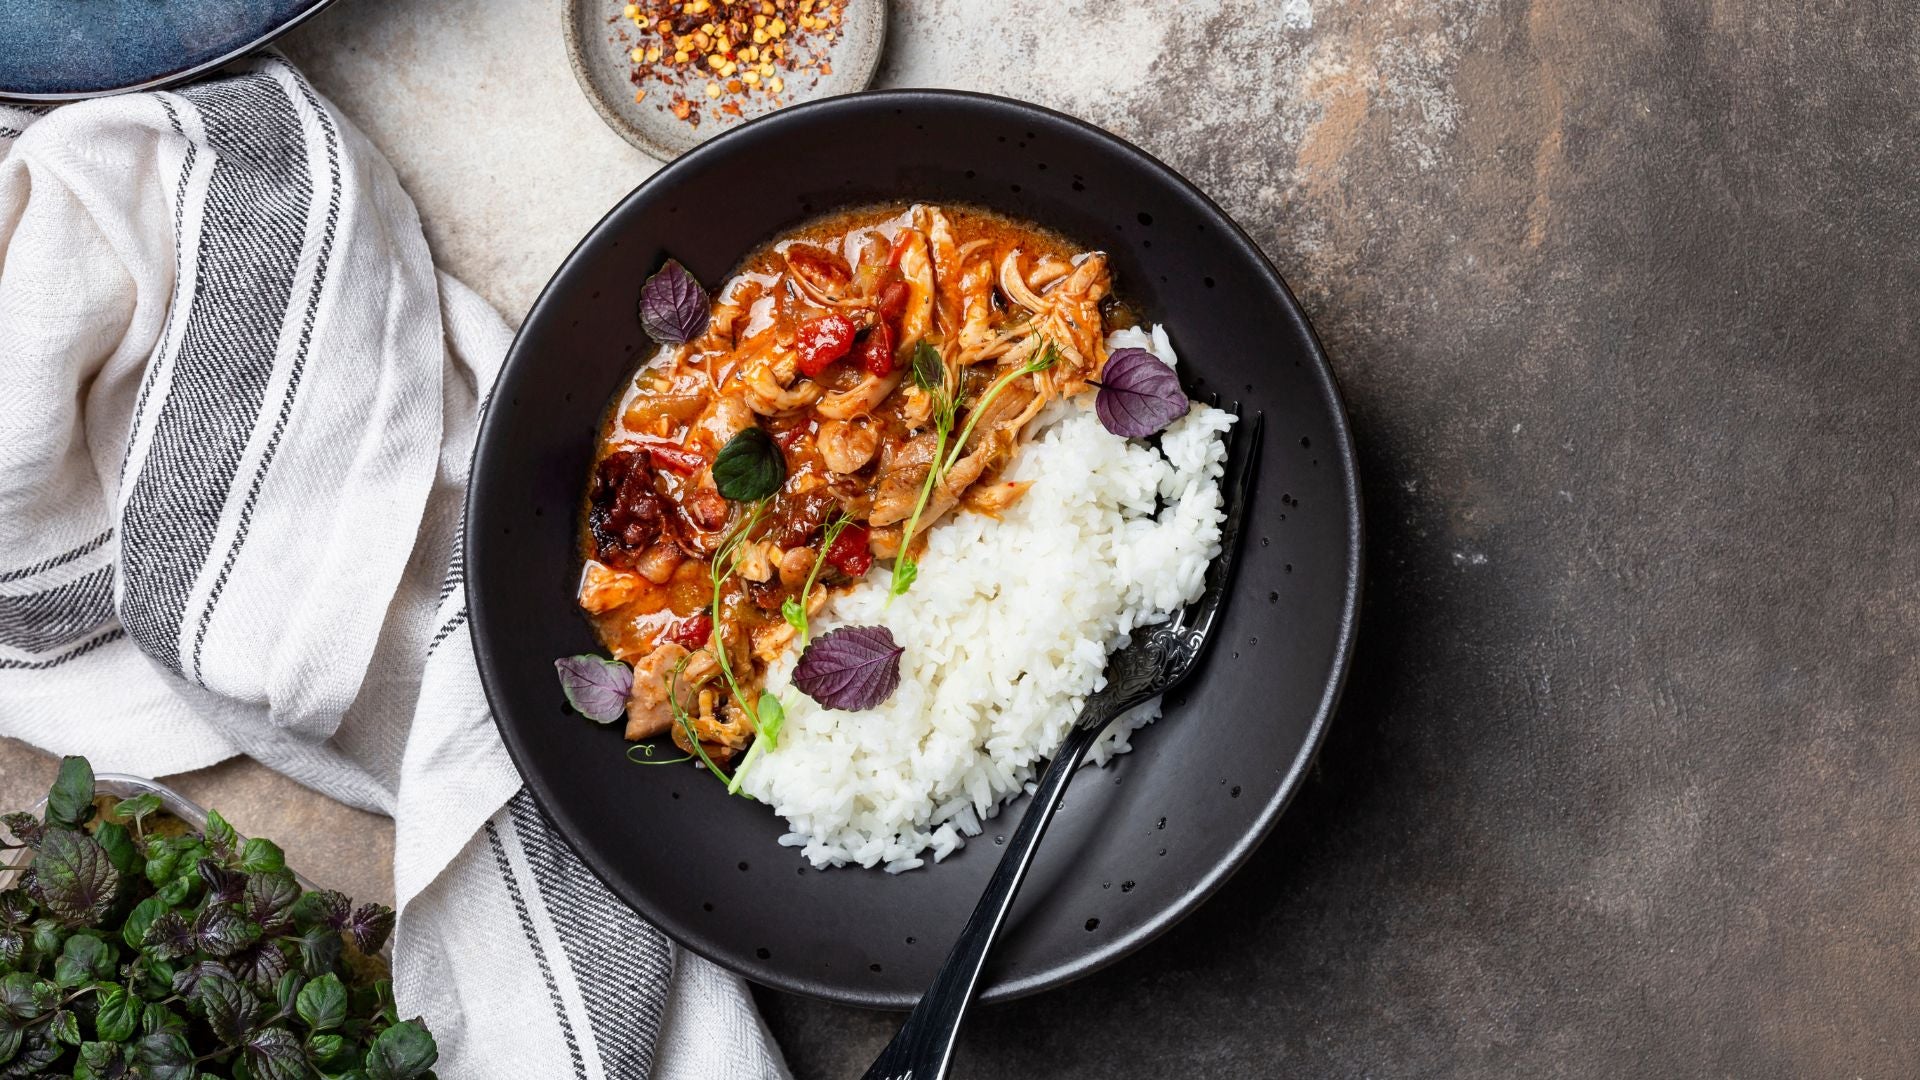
{"x": 142, "y": 936}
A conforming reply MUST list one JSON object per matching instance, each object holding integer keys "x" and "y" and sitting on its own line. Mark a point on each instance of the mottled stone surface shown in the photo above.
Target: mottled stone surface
{"x": 1622, "y": 300}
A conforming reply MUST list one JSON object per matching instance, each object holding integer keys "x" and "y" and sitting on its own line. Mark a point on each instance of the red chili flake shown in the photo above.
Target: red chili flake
{"x": 684, "y": 462}
{"x": 823, "y": 340}
{"x": 875, "y": 351}
{"x": 850, "y": 553}
{"x": 691, "y": 632}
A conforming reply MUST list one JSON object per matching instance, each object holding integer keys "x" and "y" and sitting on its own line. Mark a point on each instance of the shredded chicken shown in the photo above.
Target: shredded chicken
{"x": 814, "y": 342}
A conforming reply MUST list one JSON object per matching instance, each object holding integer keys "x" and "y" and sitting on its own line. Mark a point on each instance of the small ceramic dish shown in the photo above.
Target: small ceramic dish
{"x": 600, "y": 42}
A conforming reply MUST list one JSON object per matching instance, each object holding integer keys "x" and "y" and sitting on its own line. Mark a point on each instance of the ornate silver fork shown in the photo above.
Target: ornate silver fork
{"x": 1157, "y": 659}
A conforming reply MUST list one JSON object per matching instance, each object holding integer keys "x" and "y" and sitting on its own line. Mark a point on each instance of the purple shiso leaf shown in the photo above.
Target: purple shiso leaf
{"x": 852, "y": 668}
{"x": 1139, "y": 394}
{"x": 673, "y": 307}
{"x": 597, "y": 688}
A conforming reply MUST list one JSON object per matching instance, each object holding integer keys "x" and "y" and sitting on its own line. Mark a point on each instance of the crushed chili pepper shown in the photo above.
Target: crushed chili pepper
{"x": 710, "y": 49}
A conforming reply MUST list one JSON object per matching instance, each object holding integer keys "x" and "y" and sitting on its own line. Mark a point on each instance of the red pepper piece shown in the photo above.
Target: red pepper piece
{"x": 684, "y": 462}
{"x": 691, "y": 632}
{"x": 823, "y": 340}
{"x": 875, "y": 351}
{"x": 850, "y": 553}
{"x": 893, "y": 301}
{"x": 899, "y": 248}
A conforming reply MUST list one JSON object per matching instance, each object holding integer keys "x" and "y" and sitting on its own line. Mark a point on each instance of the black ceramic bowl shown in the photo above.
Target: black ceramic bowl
{"x": 1138, "y": 845}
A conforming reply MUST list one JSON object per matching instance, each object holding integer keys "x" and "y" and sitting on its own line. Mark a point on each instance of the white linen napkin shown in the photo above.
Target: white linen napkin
{"x": 236, "y": 409}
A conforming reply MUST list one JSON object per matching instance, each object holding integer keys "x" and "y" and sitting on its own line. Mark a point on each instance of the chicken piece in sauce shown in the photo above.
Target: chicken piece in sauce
{"x": 813, "y": 341}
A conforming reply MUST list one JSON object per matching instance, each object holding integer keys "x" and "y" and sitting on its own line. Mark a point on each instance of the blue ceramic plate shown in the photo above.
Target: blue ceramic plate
{"x": 60, "y": 50}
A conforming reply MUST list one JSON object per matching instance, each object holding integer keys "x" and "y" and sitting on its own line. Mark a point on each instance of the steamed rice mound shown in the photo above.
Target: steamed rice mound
{"x": 1007, "y": 630}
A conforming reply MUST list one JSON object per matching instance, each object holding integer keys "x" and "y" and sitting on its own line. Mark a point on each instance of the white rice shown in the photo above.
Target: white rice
{"x": 1006, "y": 632}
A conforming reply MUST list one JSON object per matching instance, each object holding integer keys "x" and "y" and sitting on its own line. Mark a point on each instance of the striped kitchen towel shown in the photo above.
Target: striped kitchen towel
{"x": 236, "y": 409}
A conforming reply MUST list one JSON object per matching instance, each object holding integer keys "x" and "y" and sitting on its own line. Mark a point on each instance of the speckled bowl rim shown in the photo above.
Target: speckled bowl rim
{"x": 161, "y": 82}
{"x": 659, "y": 151}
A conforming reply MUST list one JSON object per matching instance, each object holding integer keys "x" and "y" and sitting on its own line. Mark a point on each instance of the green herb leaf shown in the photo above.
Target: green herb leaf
{"x": 70, "y": 801}
{"x": 84, "y": 959}
{"x": 905, "y": 572}
{"x": 222, "y": 931}
{"x": 47, "y": 937}
{"x": 319, "y": 949}
{"x": 274, "y": 1053}
{"x": 773, "y": 716}
{"x": 158, "y": 1018}
{"x": 25, "y": 996}
{"x": 37, "y": 1051}
{"x": 65, "y": 1026}
{"x": 134, "y": 932}
{"x": 260, "y": 966}
{"x": 269, "y": 899}
{"x": 101, "y": 1061}
{"x": 121, "y": 851}
{"x": 404, "y": 1051}
{"x": 220, "y": 835}
{"x": 13, "y": 949}
{"x": 326, "y": 1049}
{"x": 323, "y": 1004}
{"x": 136, "y": 809}
{"x": 165, "y": 1055}
{"x": 118, "y": 1015}
{"x": 750, "y": 467}
{"x": 169, "y": 937}
{"x": 16, "y": 907}
{"x": 322, "y": 907}
{"x": 795, "y": 614}
{"x": 10, "y": 1038}
{"x": 258, "y": 856}
{"x": 73, "y": 878}
{"x": 286, "y": 992}
{"x": 231, "y": 1009}
{"x": 186, "y": 981}
{"x": 929, "y": 371}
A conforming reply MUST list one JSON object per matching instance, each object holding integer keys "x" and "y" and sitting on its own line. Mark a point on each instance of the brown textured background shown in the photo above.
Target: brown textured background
{"x": 1622, "y": 300}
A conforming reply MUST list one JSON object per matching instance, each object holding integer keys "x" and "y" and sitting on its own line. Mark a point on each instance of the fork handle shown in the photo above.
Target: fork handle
{"x": 923, "y": 1048}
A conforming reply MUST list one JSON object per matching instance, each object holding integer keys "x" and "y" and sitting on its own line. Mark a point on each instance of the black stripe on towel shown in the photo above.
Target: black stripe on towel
{"x": 323, "y": 257}
{"x": 179, "y": 261}
{"x": 539, "y": 952}
{"x": 41, "y": 621}
{"x": 61, "y": 559}
{"x": 107, "y": 638}
{"x": 258, "y": 194}
{"x": 446, "y": 631}
{"x": 622, "y": 964}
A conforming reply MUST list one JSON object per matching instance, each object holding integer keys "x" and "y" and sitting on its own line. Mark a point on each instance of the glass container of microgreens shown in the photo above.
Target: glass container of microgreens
{"x": 108, "y": 790}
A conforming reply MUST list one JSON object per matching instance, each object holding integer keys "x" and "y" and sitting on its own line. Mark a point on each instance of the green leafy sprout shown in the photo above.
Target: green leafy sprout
{"x": 794, "y": 609}
{"x": 905, "y": 570}
{"x": 169, "y": 954}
